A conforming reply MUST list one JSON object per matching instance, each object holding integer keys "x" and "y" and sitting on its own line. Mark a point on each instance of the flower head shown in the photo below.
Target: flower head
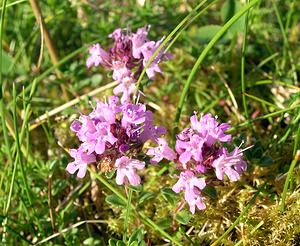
{"x": 161, "y": 151}
{"x": 82, "y": 159}
{"x": 126, "y": 170}
{"x": 231, "y": 164}
{"x": 192, "y": 186}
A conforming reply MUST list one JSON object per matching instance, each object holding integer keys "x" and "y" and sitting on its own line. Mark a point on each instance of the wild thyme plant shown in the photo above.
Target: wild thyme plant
{"x": 114, "y": 133}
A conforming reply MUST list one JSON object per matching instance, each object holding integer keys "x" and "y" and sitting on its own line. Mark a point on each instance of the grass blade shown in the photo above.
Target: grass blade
{"x": 202, "y": 57}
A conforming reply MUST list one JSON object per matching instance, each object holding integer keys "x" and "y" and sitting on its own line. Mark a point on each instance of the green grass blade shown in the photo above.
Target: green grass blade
{"x": 13, "y": 3}
{"x": 143, "y": 217}
{"x": 128, "y": 207}
{"x": 202, "y": 56}
{"x": 288, "y": 179}
{"x": 243, "y": 64}
{"x": 238, "y": 219}
{"x": 165, "y": 41}
{"x": 246, "y": 123}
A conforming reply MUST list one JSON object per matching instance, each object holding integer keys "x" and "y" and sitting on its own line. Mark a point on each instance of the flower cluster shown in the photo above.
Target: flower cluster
{"x": 127, "y": 59}
{"x": 199, "y": 149}
{"x": 113, "y": 135}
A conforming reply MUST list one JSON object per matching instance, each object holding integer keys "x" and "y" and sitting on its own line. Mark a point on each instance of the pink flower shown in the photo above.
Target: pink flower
{"x": 133, "y": 114}
{"x": 126, "y": 87}
{"x": 190, "y": 149}
{"x": 138, "y": 40}
{"x": 209, "y": 129}
{"x": 97, "y": 56}
{"x": 160, "y": 152}
{"x": 231, "y": 164}
{"x": 126, "y": 170}
{"x": 192, "y": 186}
{"x": 80, "y": 163}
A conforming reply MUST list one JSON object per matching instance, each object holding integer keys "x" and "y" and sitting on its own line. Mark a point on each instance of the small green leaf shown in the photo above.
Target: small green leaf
{"x": 6, "y": 62}
{"x": 146, "y": 196}
{"x": 120, "y": 243}
{"x": 110, "y": 174}
{"x": 266, "y": 161}
{"x": 136, "y": 236}
{"x": 228, "y": 10}
{"x": 183, "y": 217}
{"x": 164, "y": 223}
{"x": 96, "y": 79}
{"x": 205, "y": 33}
{"x": 112, "y": 242}
{"x": 257, "y": 153}
{"x": 210, "y": 191}
{"x": 169, "y": 195}
{"x": 135, "y": 243}
{"x": 115, "y": 200}
{"x": 138, "y": 188}
{"x": 91, "y": 241}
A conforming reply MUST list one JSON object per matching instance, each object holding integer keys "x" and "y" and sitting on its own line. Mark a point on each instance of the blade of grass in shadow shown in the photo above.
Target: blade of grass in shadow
{"x": 143, "y": 217}
{"x": 4, "y": 128}
{"x": 70, "y": 228}
{"x": 128, "y": 207}
{"x": 288, "y": 179}
{"x": 165, "y": 41}
{"x": 188, "y": 24}
{"x": 19, "y": 156}
{"x": 274, "y": 82}
{"x": 238, "y": 219}
{"x": 61, "y": 62}
{"x": 243, "y": 64}
{"x": 202, "y": 56}
{"x": 261, "y": 100}
{"x": 246, "y": 123}
{"x": 286, "y": 45}
{"x": 14, "y": 3}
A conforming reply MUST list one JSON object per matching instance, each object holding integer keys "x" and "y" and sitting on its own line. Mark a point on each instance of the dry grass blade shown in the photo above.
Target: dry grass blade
{"x": 38, "y": 121}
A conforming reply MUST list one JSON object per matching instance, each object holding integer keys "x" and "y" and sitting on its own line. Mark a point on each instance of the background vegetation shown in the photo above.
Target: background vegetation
{"x": 249, "y": 77}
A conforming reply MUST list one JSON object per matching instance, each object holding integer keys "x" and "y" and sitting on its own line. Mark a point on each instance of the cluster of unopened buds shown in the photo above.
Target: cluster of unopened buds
{"x": 114, "y": 133}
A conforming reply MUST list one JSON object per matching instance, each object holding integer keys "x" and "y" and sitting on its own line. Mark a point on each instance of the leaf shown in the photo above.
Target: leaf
{"x": 136, "y": 236}
{"x": 164, "y": 223}
{"x": 228, "y": 10}
{"x": 135, "y": 243}
{"x": 169, "y": 195}
{"x": 110, "y": 174}
{"x": 96, "y": 79}
{"x": 6, "y": 62}
{"x": 115, "y": 200}
{"x": 266, "y": 161}
{"x": 205, "y": 33}
{"x": 137, "y": 188}
{"x": 91, "y": 241}
{"x": 112, "y": 242}
{"x": 120, "y": 243}
{"x": 146, "y": 196}
{"x": 183, "y": 217}
{"x": 210, "y": 191}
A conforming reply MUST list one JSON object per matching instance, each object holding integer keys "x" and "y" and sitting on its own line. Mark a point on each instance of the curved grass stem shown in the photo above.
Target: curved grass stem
{"x": 202, "y": 56}
{"x": 288, "y": 179}
{"x": 143, "y": 217}
{"x": 238, "y": 219}
{"x": 165, "y": 41}
{"x": 127, "y": 215}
